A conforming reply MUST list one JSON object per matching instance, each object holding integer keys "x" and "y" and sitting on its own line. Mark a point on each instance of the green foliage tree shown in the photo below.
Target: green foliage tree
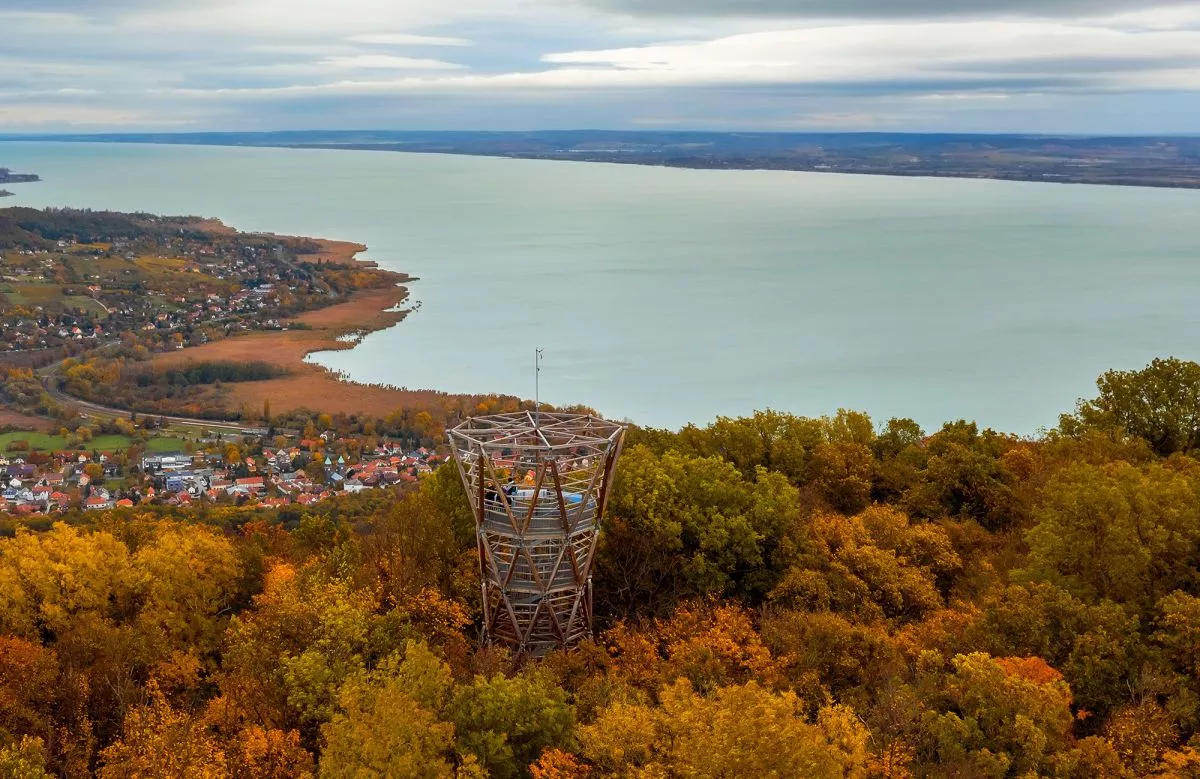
{"x": 768, "y": 439}
{"x": 964, "y": 476}
{"x": 680, "y": 526}
{"x": 1097, "y": 646}
{"x": 24, "y": 759}
{"x": 1119, "y": 532}
{"x": 1178, "y": 637}
{"x": 998, "y": 718}
{"x": 1160, "y": 404}
{"x": 444, "y": 489}
{"x": 842, "y": 473}
{"x": 507, "y": 722}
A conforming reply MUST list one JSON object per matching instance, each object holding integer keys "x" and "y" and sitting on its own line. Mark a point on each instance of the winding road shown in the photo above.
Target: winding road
{"x": 49, "y": 377}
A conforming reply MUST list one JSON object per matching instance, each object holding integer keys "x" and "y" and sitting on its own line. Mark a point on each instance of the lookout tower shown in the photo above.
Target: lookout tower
{"x": 538, "y": 484}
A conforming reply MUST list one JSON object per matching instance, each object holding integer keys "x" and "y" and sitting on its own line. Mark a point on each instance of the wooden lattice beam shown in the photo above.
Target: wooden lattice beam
{"x": 546, "y": 527}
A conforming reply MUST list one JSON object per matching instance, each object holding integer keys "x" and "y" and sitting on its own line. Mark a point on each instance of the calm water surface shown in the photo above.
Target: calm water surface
{"x": 670, "y": 296}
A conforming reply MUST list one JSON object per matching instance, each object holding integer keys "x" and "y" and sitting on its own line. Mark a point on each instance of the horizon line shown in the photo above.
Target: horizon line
{"x": 689, "y": 131}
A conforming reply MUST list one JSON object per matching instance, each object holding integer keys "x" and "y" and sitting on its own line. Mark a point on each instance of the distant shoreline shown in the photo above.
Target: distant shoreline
{"x": 8, "y": 177}
{"x": 1171, "y": 162}
{"x": 687, "y": 165}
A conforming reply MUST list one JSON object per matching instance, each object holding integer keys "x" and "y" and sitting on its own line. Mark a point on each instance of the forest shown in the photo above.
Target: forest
{"x": 777, "y": 596}
{"x": 29, "y": 228}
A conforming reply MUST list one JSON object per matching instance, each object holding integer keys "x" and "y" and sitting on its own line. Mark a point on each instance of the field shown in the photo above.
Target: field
{"x": 337, "y": 252}
{"x": 306, "y": 385}
{"x": 168, "y": 273}
{"x": 10, "y": 418}
{"x": 46, "y": 442}
{"x": 34, "y": 294}
{"x": 37, "y": 441}
{"x": 51, "y": 298}
{"x": 310, "y": 386}
{"x": 166, "y": 444}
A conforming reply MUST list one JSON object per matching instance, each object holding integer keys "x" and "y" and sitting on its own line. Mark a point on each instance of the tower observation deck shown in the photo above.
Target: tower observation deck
{"x": 538, "y": 485}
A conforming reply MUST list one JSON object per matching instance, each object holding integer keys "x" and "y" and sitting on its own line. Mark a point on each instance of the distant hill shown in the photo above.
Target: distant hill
{"x": 1158, "y": 161}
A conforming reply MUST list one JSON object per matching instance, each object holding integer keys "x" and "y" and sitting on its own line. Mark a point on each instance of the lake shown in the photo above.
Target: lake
{"x": 673, "y": 296}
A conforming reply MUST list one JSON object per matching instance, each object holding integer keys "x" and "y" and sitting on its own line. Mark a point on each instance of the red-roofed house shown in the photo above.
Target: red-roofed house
{"x": 250, "y": 486}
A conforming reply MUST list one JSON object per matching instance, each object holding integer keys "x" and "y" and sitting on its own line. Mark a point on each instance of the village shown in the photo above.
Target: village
{"x": 243, "y": 473}
{"x": 158, "y": 282}
{"x": 47, "y": 309}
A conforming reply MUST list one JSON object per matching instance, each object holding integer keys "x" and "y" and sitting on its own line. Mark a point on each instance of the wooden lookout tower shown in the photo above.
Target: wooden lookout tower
{"x": 538, "y": 484}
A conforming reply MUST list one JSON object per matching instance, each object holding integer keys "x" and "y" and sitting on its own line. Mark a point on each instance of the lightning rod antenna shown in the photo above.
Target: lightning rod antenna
{"x": 537, "y": 375}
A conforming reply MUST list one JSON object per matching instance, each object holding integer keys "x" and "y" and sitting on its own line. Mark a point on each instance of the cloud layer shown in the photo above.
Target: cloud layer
{"x": 1054, "y": 66}
{"x": 871, "y": 9}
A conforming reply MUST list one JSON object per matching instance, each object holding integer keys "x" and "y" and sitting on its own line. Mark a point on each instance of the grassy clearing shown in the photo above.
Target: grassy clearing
{"x": 109, "y": 443}
{"x": 166, "y": 444}
{"x": 110, "y": 265}
{"x": 34, "y": 294}
{"x": 44, "y": 442}
{"x": 84, "y": 267}
{"x": 87, "y": 304}
{"x": 37, "y": 441}
{"x": 169, "y": 264}
{"x": 50, "y": 297}
{"x": 166, "y": 270}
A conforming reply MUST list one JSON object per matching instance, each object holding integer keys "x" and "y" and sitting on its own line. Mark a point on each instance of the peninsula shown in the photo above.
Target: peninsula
{"x": 8, "y": 177}
{"x": 187, "y": 318}
{"x": 1150, "y": 161}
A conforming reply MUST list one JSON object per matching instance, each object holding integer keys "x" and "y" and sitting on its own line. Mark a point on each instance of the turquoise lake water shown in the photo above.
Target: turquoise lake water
{"x": 669, "y": 296}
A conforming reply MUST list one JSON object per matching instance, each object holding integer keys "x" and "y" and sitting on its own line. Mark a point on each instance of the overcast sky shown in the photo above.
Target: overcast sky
{"x": 1084, "y": 66}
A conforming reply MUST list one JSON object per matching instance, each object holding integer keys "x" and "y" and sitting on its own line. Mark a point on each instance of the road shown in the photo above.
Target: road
{"x": 49, "y": 377}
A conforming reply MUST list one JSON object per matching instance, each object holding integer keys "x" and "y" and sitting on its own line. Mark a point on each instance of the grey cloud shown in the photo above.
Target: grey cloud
{"x": 901, "y": 87}
{"x": 138, "y": 78}
{"x": 1085, "y": 65}
{"x": 868, "y": 9}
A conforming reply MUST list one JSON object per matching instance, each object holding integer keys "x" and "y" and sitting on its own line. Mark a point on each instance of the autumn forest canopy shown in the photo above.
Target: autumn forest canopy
{"x": 777, "y": 596}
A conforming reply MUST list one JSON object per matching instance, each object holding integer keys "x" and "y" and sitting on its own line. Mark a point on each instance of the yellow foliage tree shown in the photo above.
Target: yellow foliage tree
{"x": 740, "y": 731}
{"x": 63, "y": 582}
{"x": 381, "y": 731}
{"x": 160, "y": 741}
{"x": 188, "y": 578}
{"x": 260, "y": 753}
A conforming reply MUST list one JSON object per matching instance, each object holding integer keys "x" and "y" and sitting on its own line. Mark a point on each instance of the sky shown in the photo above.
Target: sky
{"x": 1054, "y": 66}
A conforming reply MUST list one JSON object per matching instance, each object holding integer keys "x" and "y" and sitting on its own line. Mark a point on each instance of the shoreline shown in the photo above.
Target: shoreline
{"x": 307, "y": 384}
{"x": 1189, "y": 185}
{"x": 1137, "y": 179}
